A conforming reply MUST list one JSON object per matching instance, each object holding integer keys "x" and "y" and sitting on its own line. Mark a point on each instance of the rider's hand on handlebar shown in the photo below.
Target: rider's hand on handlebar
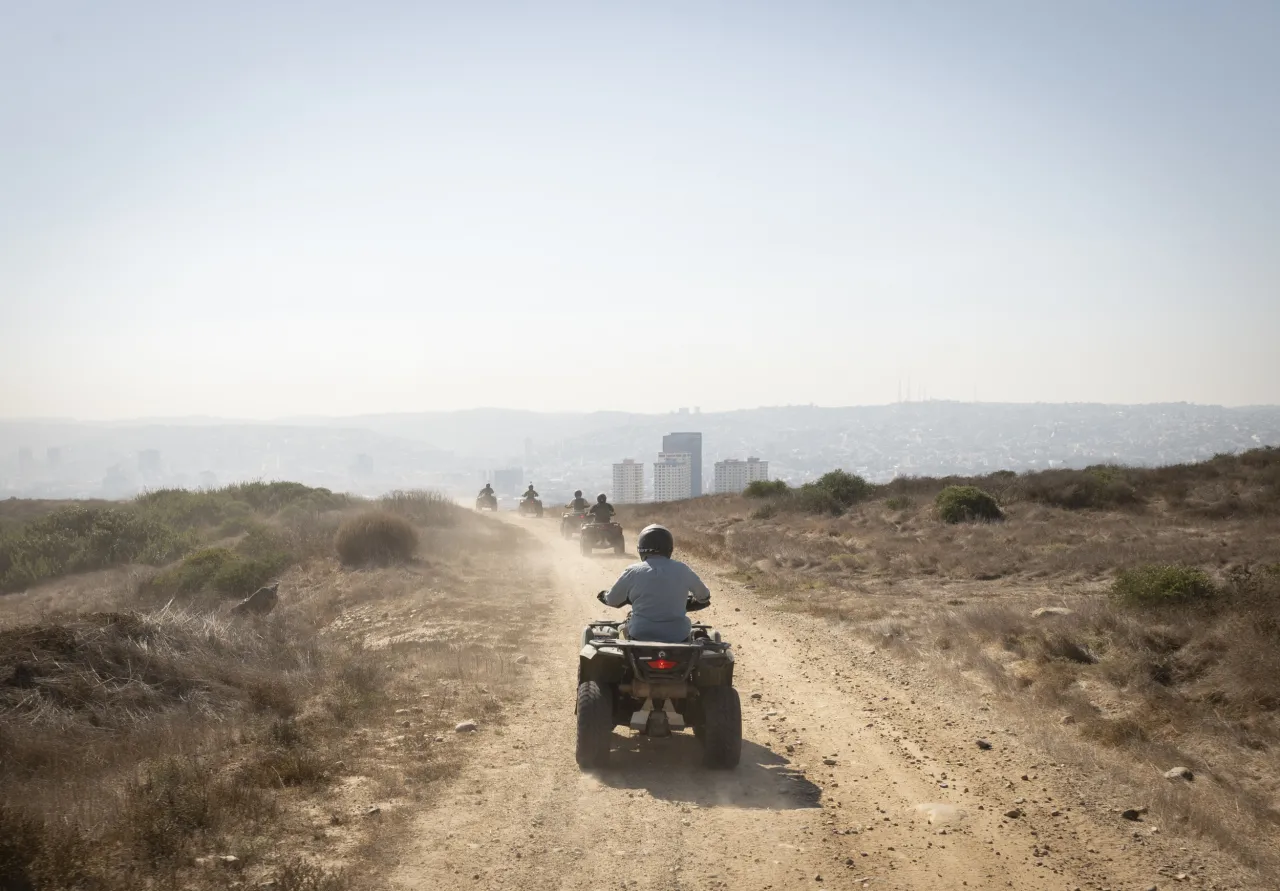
{"x": 693, "y": 606}
{"x": 600, "y": 597}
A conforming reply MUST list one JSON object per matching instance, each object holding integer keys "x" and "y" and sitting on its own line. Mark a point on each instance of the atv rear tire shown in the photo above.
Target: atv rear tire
{"x": 585, "y": 546}
{"x": 595, "y": 724}
{"x": 722, "y": 733}
{"x": 621, "y": 546}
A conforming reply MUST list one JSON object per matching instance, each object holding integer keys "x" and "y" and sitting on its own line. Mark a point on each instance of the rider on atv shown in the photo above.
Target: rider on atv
{"x": 529, "y": 493}
{"x": 578, "y": 503}
{"x": 602, "y": 510}
{"x": 659, "y": 590}
{"x": 487, "y": 491}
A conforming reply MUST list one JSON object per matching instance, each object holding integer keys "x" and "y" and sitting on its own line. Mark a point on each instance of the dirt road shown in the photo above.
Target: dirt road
{"x": 857, "y": 771}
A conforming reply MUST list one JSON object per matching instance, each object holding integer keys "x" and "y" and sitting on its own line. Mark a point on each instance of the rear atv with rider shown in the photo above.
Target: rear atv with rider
{"x": 573, "y": 518}
{"x": 530, "y": 503}
{"x": 657, "y": 689}
{"x": 601, "y": 535}
{"x": 571, "y": 522}
{"x": 599, "y": 530}
{"x": 655, "y": 671}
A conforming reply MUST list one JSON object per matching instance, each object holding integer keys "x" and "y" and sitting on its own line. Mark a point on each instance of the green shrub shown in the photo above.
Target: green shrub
{"x": 80, "y": 539}
{"x": 899, "y": 502}
{"x": 832, "y": 493}
{"x": 230, "y": 508}
{"x": 846, "y": 488}
{"x": 1162, "y": 585}
{"x": 375, "y": 537}
{"x": 766, "y": 489}
{"x": 256, "y": 559}
{"x": 814, "y": 499}
{"x": 966, "y": 504}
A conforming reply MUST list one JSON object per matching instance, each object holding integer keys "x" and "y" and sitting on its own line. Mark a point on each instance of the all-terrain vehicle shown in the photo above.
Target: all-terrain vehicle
{"x": 486, "y": 502}
{"x": 531, "y": 507}
{"x": 571, "y": 522}
{"x": 655, "y": 689}
{"x": 601, "y": 535}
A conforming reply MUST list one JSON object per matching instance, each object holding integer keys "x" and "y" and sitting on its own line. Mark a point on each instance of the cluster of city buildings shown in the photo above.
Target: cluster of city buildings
{"x": 677, "y": 473}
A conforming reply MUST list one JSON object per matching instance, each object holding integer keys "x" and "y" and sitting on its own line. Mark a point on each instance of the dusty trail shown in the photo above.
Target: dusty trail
{"x": 856, "y": 772}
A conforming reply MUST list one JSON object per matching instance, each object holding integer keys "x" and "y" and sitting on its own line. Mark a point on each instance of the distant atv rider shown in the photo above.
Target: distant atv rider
{"x": 659, "y": 589}
{"x": 602, "y": 510}
{"x": 578, "y": 503}
{"x": 487, "y": 491}
{"x": 530, "y": 492}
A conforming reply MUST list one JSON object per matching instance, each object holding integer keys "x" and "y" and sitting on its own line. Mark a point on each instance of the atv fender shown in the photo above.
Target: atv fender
{"x": 604, "y": 668}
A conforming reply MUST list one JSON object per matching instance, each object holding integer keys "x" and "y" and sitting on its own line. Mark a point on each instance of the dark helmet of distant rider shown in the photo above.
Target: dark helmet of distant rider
{"x": 577, "y": 493}
{"x": 655, "y": 541}
{"x": 601, "y": 498}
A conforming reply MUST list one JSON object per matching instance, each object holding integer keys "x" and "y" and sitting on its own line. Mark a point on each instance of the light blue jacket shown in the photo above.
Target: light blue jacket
{"x": 657, "y": 590}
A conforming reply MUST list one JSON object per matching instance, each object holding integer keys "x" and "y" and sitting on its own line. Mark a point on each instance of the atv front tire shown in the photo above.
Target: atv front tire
{"x": 595, "y": 724}
{"x": 722, "y": 730}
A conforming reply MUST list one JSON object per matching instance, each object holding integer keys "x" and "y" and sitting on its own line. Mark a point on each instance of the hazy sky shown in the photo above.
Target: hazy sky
{"x": 264, "y": 209}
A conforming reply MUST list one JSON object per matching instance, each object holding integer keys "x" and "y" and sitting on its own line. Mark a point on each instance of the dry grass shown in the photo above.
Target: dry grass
{"x": 135, "y": 740}
{"x": 1180, "y": 667}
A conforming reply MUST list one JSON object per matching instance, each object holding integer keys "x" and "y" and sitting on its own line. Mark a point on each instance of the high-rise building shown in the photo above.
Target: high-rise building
{"x": 149, "y": 464}
{"x": 734, "y": 475}
{"x": 509, "y": 480}
{"x": 26, "y": 462}
{"x": 691, "y": 445}
{"x": 672, "y": 476}
{"x": 628, "y": 482}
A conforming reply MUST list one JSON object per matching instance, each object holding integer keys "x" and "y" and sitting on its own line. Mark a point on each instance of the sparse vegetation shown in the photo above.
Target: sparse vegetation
{"x": 1162, "y": 637}
{"x": 966, "y": 504}
{"x": 375, "y": 538}
{"x": 134, "y": 741}
{"x": 420, "y": 507}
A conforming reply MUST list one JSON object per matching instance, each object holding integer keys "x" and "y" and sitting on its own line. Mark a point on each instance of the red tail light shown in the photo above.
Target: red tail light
{"x": 662, "y": 664}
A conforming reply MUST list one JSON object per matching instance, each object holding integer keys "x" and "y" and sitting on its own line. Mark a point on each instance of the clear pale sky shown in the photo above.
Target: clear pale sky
{"x": 265, "y": 209}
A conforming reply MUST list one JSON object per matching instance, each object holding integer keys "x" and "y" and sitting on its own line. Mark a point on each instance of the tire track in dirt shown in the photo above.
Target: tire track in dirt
{"x": 857, "y": 772}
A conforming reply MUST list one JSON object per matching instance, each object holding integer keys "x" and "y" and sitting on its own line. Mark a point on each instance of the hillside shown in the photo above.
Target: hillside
{"x": 1141, "y": 607}
{"x": 151, "y": 735}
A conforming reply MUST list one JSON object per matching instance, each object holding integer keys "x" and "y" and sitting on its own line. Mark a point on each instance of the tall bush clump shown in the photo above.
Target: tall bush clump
{"x": 766, "y": 489}
{"x": 375, "y": 537}
{"x": 1162, "y": 586}
{"x": 966, "y": 504}
{"x": 833, "y": 493}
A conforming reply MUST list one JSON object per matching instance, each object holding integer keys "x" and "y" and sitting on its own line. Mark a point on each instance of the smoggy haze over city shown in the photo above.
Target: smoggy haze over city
{"x": 269, "y": 210}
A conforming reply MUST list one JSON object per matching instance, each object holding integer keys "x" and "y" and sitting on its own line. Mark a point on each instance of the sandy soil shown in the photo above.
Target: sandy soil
{"x": 858, "y": 771}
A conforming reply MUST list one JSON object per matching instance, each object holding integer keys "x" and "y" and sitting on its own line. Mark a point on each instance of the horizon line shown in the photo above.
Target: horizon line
{"x": 284, "y": 420}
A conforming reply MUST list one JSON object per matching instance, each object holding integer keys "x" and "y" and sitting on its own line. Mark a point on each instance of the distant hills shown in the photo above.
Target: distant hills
{"x": 454, "y": 450}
